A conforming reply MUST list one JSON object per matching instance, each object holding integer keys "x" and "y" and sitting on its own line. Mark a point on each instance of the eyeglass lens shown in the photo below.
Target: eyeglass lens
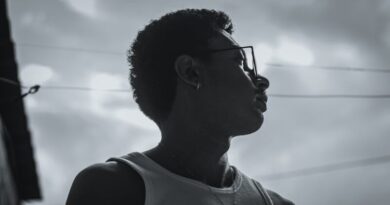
{"x": 249, "y": 65}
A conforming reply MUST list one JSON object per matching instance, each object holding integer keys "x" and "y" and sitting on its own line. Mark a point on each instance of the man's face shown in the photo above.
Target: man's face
{"x": 229, "y": 93}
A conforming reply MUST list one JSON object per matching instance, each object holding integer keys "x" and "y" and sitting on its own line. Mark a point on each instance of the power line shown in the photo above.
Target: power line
{"x": 31, "y": 90}
{"x": 336, "y": 68}
{"x": 84, "y": 89}
{"x": 276, "y": 65}
{"x": 327, "y": 168}
{"x": 329, "y": 96}
{"x": 90, "y": 89}
{"x": 77, "y": 88}
{"x": 271, "y": 95}
{"x": 6, "y": 80}
{"x": 85, "y": 50}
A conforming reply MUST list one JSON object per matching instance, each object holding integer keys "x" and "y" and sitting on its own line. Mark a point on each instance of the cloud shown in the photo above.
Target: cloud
{"x": 346, "y": 54}
{"x": 85, "y": 7}
{"x": 264, "y": 54}
{"x": 33, "y": 74}
{"x": 291, "y": 51}
{"x": 134, "y": 117}
{"x": 287, "y": 50}
{"x": 107, "y": 81}
{"x": 118, "y": 107}
{"x": 386, "y": 36}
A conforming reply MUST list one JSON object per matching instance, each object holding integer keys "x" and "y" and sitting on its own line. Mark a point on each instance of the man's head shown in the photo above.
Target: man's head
{"x": 157, "y": 46}
{"x": 170, "y": 60}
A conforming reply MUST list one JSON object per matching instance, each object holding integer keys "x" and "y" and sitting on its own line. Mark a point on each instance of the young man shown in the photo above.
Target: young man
{"x": 191, "y": 78}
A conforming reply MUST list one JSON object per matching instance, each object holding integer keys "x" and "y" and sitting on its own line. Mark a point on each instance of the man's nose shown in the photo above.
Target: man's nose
{"x": 261, "y": 82}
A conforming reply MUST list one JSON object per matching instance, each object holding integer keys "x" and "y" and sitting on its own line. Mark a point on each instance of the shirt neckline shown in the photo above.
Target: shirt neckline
{"x": 231, "y": 189}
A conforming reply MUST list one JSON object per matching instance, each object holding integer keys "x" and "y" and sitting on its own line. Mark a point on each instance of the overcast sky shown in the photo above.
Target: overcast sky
{"x": 88, "y": 39}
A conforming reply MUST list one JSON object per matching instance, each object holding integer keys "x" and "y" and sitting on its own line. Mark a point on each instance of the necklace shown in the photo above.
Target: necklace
{"x": 234, "y": 188}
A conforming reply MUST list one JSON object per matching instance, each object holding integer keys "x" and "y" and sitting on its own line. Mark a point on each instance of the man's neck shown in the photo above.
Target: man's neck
{"x": 201, "y": 160}
{"x": 191, "y": 145}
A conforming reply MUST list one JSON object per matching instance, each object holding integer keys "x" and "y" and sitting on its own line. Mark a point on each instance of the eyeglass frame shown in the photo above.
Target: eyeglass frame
{"x": 253, "y": 73}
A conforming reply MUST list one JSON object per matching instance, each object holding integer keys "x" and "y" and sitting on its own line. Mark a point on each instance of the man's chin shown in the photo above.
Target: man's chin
{"x": 252, "y": 127}
{"x": 258, "y": 123}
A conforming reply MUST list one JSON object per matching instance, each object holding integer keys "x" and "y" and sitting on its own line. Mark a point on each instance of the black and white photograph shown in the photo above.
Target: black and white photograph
{"x": 201, "y": 102}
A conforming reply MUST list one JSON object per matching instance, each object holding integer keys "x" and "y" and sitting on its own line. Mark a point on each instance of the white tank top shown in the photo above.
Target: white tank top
{"x": 164, "y": 187}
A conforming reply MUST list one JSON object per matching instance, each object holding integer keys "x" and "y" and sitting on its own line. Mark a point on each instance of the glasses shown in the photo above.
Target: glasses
{"x": 249, "y": 61}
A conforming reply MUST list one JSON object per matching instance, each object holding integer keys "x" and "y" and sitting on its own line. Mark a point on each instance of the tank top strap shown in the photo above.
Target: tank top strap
{"x": 267, "y": 199}
{"x": 133, "y": 162}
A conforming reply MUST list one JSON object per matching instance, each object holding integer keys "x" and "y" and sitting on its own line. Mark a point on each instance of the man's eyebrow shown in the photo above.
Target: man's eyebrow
{"x": 235, "y": 46}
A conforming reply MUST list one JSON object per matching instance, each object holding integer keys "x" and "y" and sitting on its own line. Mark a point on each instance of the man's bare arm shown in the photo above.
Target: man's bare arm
{"x": 277, "y": 199}
{"x": 107, "y": 183}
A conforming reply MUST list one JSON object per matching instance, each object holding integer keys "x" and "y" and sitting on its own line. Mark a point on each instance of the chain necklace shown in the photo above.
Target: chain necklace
{"x": 234, "y": 189}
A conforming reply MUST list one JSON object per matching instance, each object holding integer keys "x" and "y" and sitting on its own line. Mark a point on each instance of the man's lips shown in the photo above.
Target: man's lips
{"x": 261, "y": 102}
{"x": 262, "y": 97}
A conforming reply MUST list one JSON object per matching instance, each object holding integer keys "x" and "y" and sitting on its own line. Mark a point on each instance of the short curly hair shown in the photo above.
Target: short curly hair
{"x": 155, "y": 49}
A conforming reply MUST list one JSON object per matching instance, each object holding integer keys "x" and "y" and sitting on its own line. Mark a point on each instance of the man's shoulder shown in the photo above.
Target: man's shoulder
{"x": 277, "y": 199}
{"x": 107, "y": 183}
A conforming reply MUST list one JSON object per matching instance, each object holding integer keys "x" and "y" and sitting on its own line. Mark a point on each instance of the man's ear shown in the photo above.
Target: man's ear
{"x": 187, "y": 69}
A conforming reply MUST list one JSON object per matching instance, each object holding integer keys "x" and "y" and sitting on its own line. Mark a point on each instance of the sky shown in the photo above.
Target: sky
{"x": 84, "y": 43}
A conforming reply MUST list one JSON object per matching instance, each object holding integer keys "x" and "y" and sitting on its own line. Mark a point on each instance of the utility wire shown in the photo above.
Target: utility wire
{"x": 271, "y": 95}
{"x": 85, "y": 50}
{"x": 6, "y": 80}
{"x": 80, "y": 88}
{"x": 329, "y": 96}
{"x": 275, "y": 65}
{"x": 327, "y": 168}
{"x": 31, "y": 90}
{"x": 84, "y": 89}
{"x": 336, "y": 68}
